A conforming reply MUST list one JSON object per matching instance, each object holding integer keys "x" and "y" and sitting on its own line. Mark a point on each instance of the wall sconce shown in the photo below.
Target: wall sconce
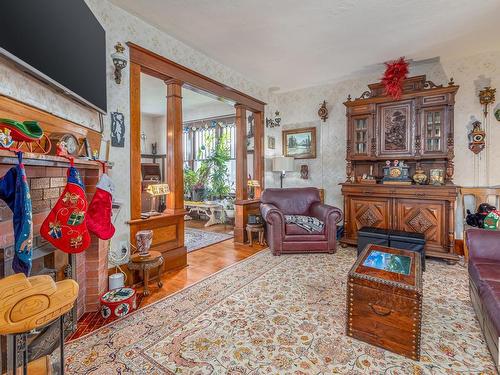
{"x": 273, "y": 123}
{"x": 119, "y": 61}
{"x": 323, "y": 111}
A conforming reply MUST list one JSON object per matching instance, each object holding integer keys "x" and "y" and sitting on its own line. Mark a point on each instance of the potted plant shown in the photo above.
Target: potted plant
{"x": 228, "y": 205}
{"x": 190, "y": 180}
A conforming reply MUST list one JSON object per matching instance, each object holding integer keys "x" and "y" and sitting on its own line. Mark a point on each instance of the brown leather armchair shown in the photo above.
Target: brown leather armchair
{"x": 290, "y": 238}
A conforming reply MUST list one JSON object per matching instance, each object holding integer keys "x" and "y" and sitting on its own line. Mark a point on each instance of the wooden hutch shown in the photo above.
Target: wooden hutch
{"x": 418, "y": 129}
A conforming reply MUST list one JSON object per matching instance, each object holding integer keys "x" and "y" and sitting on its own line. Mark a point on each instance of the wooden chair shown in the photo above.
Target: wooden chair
{"x": 472, "y": 197}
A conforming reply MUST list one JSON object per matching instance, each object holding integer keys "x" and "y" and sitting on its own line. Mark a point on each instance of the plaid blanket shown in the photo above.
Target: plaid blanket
{"x": 309, "y": 223}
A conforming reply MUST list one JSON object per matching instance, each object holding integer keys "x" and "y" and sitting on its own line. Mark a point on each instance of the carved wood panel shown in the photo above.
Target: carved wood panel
{"x": 368, "y": 212}
{"x": 395, "y": 128}
{"x": 425, "y": 217}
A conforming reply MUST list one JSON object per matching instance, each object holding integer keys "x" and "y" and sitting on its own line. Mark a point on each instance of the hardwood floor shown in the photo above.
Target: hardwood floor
{"x": 201, "y": 264}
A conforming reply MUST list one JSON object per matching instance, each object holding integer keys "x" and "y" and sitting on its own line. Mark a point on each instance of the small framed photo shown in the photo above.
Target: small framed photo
{"x": 436, "y": 176}
{"x": 271, "y": 142}
{"x": 300, "y": 143}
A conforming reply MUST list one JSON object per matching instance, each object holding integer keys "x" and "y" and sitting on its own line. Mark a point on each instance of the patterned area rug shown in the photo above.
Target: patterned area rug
{"x": 196, "y": 239}
{"x": 281, "y": 315}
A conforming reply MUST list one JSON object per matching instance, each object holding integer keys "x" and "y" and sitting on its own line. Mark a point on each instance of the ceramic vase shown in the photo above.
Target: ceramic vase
{"x": 144, "y": 239}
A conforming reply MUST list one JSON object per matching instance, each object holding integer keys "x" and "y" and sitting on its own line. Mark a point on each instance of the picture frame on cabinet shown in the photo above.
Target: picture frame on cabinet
{"x": 300, "y": 143}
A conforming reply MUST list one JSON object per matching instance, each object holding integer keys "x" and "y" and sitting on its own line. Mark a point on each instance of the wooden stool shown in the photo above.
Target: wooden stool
{"x": 255, "y": 228}
{"x": 144, "y": 263}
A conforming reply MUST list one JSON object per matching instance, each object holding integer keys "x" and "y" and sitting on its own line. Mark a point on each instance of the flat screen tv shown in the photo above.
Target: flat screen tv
{"x": 59, "y": 41}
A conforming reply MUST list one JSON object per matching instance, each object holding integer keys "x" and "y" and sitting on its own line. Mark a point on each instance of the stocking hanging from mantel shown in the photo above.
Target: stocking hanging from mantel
{"x": 15, "y": 192}
{"x": 65, "y": 227}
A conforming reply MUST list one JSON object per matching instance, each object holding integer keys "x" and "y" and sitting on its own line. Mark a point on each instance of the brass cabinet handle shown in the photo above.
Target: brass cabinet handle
{"x": 380, "y": 310}
{"x": 421, "y": 195}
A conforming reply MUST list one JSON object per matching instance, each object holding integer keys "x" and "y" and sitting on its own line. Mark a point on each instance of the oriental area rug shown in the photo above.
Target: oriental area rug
{"x": 196, "y": 239}
{"x": 281, "y": 315}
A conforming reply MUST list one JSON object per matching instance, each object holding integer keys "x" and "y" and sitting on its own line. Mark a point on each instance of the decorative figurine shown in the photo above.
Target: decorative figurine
{"x": 476, "y": 138}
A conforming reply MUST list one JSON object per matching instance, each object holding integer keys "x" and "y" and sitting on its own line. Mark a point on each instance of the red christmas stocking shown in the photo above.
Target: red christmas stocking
{"x": 100, "y": 209}
{"x": 65, "y": 226}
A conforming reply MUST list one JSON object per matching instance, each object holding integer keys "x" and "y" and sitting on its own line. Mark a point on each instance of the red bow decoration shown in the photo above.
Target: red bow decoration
{"x": 394, "y": 75}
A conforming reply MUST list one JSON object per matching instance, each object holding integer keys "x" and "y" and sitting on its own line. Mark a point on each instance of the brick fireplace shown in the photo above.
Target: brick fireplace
{"x": 47, "y": 178}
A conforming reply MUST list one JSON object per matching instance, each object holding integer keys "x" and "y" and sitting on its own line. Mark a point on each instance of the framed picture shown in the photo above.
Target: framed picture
{"x": 271, "y": 142}
{"x": 300, "y": 143}
{"x": 117, "y": 129}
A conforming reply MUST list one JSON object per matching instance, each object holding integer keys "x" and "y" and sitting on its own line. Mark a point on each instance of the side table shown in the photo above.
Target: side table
{"x": 145, "y": 263}
{"x": 255, "y": 228}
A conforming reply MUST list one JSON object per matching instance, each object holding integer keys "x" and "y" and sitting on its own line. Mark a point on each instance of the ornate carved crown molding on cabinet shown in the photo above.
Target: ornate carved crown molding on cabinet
{"x": 418, "y": 128}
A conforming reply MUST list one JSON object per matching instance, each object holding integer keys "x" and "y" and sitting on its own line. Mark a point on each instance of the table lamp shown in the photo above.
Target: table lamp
{"x": 283, "y": 164}
{"x": 252, "y": 184}
{"x": 156, "y": 190}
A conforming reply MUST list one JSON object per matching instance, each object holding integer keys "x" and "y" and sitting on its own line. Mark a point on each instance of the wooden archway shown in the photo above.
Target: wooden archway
{"x": 169, "y": 227}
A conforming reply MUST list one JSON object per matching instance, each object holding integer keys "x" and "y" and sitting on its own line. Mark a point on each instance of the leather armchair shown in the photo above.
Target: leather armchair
{"x": 290, "y": 238}
{"x": 27, "y": 303}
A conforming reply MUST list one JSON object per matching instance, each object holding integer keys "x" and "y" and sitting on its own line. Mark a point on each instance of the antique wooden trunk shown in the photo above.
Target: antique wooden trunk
{"x": 384, "y": 300}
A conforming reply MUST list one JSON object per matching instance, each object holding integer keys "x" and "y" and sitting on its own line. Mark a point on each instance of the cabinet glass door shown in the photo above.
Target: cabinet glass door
{"x": 361, "y": 136}
{"x": 433, "y": 130}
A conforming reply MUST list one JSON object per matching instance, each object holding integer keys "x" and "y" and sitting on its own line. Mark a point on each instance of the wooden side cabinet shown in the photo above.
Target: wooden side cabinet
{"x": 420, "y": 209}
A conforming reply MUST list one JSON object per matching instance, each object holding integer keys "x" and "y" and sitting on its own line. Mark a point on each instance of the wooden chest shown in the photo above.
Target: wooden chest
{"x": 384, "y": 300}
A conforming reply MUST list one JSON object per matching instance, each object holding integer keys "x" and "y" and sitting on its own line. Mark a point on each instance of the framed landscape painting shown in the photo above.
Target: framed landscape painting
{"x": 300, "y": 143}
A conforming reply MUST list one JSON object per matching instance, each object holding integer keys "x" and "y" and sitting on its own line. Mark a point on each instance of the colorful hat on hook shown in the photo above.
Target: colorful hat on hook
{"x": 27, "y": 131}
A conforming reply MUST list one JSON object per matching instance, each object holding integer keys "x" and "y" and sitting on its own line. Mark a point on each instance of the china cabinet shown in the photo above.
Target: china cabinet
{"x": 418, "y": 131}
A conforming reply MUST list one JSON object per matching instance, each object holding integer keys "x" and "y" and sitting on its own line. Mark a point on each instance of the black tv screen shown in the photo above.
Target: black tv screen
{"x": 61, "y": 42}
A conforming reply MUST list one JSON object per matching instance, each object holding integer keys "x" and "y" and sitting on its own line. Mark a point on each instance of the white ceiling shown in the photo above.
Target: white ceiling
{"x": 153, "y": 100}
{"x": 298, "y": 43}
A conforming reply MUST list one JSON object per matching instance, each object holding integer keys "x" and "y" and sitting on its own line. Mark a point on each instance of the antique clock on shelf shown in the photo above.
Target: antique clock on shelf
{"x": 396, "y": 173}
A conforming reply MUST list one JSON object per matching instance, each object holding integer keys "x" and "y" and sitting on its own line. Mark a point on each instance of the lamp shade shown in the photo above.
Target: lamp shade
{"x": 283, "y": 164}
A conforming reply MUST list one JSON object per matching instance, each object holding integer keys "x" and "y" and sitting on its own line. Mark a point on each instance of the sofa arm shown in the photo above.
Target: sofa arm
{"x": 483, "y": 243}
{"x": 271, "y": 214}
{"x": 326, "y": 213}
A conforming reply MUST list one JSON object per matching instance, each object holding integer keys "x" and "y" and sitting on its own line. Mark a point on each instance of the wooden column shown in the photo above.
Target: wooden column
{"x": 258, "y": 159}
{"x": 241, "y": 174}
{"x": 175, "y": 170}
{"x": 135, "y": 141}
{"x": 241, "y": 153}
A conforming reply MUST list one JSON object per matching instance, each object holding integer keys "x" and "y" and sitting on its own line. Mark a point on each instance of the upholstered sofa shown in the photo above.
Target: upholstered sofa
{"x": 484, "y": 284}
{"x": 291, "y": 238}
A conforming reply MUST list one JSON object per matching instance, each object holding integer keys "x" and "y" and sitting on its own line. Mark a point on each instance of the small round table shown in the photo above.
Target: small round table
{"x": 255, "y": 228}
{"x": 145, "y": 263}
